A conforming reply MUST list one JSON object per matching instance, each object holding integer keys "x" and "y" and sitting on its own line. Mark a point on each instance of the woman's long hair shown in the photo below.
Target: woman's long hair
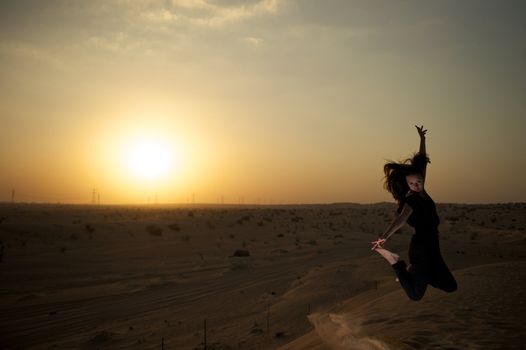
{"x": 395, "y": 173}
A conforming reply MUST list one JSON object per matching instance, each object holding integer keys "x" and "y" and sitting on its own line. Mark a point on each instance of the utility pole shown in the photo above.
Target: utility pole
{"x": 13, "y": 196}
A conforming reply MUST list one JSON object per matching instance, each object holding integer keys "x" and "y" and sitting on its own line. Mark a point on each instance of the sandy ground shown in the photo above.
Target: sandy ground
{"x": 122, "y": 277}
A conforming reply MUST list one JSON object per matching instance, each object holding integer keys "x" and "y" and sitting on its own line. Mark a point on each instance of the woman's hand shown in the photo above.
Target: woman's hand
{"x": 421, "y": 131}
{"x": 378, "y": 243}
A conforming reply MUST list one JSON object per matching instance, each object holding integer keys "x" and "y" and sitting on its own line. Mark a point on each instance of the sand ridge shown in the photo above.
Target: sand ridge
{"x": 487, "y": 312}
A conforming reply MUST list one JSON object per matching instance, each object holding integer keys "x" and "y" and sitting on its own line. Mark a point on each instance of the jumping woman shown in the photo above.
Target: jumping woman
{"x": 405, "y": 181}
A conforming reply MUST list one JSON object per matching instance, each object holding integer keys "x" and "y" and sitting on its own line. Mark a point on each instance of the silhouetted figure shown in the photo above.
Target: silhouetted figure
{"x": 405, "y": 181}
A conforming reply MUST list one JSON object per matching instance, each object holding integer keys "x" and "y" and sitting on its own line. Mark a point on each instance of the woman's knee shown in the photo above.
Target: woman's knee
{"x": 415, "y": 297}
{"x": 451, "y": 287}
{"x": 417, "y": 293}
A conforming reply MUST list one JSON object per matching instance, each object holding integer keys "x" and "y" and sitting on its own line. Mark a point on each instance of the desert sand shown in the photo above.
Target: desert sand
{"x": 260, "y": 277}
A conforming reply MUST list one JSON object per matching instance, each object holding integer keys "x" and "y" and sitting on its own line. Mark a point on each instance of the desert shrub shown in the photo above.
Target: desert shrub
{"x": 174, "y": 227}
{"x": 244, "y": 218}
{"x": 185, "y": 238}
{"x": 241, "y": 253}
{"x": 154, "y": 230}
{"x": 89, "y": 228}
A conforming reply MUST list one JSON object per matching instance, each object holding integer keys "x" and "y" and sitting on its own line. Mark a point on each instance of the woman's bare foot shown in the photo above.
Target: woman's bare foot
{"x": 392, "y": 258}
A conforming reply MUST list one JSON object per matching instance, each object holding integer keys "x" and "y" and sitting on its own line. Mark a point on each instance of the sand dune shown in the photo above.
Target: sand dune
{"x": 137, "y": 277}
{"x": 487, "y": 312}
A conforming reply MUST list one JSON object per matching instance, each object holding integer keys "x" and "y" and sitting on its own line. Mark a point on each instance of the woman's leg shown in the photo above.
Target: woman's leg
{"x": 414, "y": 282}
{"x": 441, "y": 276}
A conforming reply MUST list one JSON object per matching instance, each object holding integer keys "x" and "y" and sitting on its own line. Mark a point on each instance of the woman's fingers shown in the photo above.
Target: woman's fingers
{"x": 378, "y": 243}
{"x": 421, "y": 130}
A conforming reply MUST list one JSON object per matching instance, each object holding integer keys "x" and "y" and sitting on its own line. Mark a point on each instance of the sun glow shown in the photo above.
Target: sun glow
{"x": 150, "y": 159}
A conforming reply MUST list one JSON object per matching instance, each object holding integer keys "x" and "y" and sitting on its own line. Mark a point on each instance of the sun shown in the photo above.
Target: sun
{"x": 149, "y": 159}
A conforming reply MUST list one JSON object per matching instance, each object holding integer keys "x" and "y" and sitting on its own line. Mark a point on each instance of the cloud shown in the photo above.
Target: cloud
{"x": 31, "y": 52}
{"x": 113, "y": 42}
{"x": 211, "y": 14}
{"x": 254, "y": 41}
{"x": 161, "y": 16}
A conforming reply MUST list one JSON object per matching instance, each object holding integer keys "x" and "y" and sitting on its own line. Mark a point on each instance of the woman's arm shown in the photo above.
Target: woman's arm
{"x": 397, "y": 224}
{"x": 422, "y": 150}
{"x": 422, "y": 134}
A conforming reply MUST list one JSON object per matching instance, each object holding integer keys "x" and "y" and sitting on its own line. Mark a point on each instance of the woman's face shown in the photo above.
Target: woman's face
{"x": 415, "y": 182}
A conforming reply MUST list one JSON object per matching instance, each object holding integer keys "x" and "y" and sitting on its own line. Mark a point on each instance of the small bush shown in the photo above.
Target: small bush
{"x": 154, "y": 230}
{"x": 241, "y": 253}
{"x": 174, "y": 227}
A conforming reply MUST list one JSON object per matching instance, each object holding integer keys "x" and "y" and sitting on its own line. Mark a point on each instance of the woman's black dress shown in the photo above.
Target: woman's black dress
{"x": 427, "y": 265}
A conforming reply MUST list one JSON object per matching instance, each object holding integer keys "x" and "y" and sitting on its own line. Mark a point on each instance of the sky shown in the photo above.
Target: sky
{"x": 259, "y": 101}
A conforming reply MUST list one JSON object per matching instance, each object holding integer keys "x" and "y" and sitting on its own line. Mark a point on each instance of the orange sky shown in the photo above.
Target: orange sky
{"x": 272, "y": 101}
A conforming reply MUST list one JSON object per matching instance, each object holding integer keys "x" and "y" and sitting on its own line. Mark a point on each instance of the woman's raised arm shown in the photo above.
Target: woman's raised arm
{"x": 422, "y": 150}
{"x": 422, "y": 134}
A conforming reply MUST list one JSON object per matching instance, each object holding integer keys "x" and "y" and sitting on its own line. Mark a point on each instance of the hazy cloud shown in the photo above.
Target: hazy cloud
{"x": 208, "y": 13}
{"x": 254, "y": 41}
{"x": 31, "y": 52}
